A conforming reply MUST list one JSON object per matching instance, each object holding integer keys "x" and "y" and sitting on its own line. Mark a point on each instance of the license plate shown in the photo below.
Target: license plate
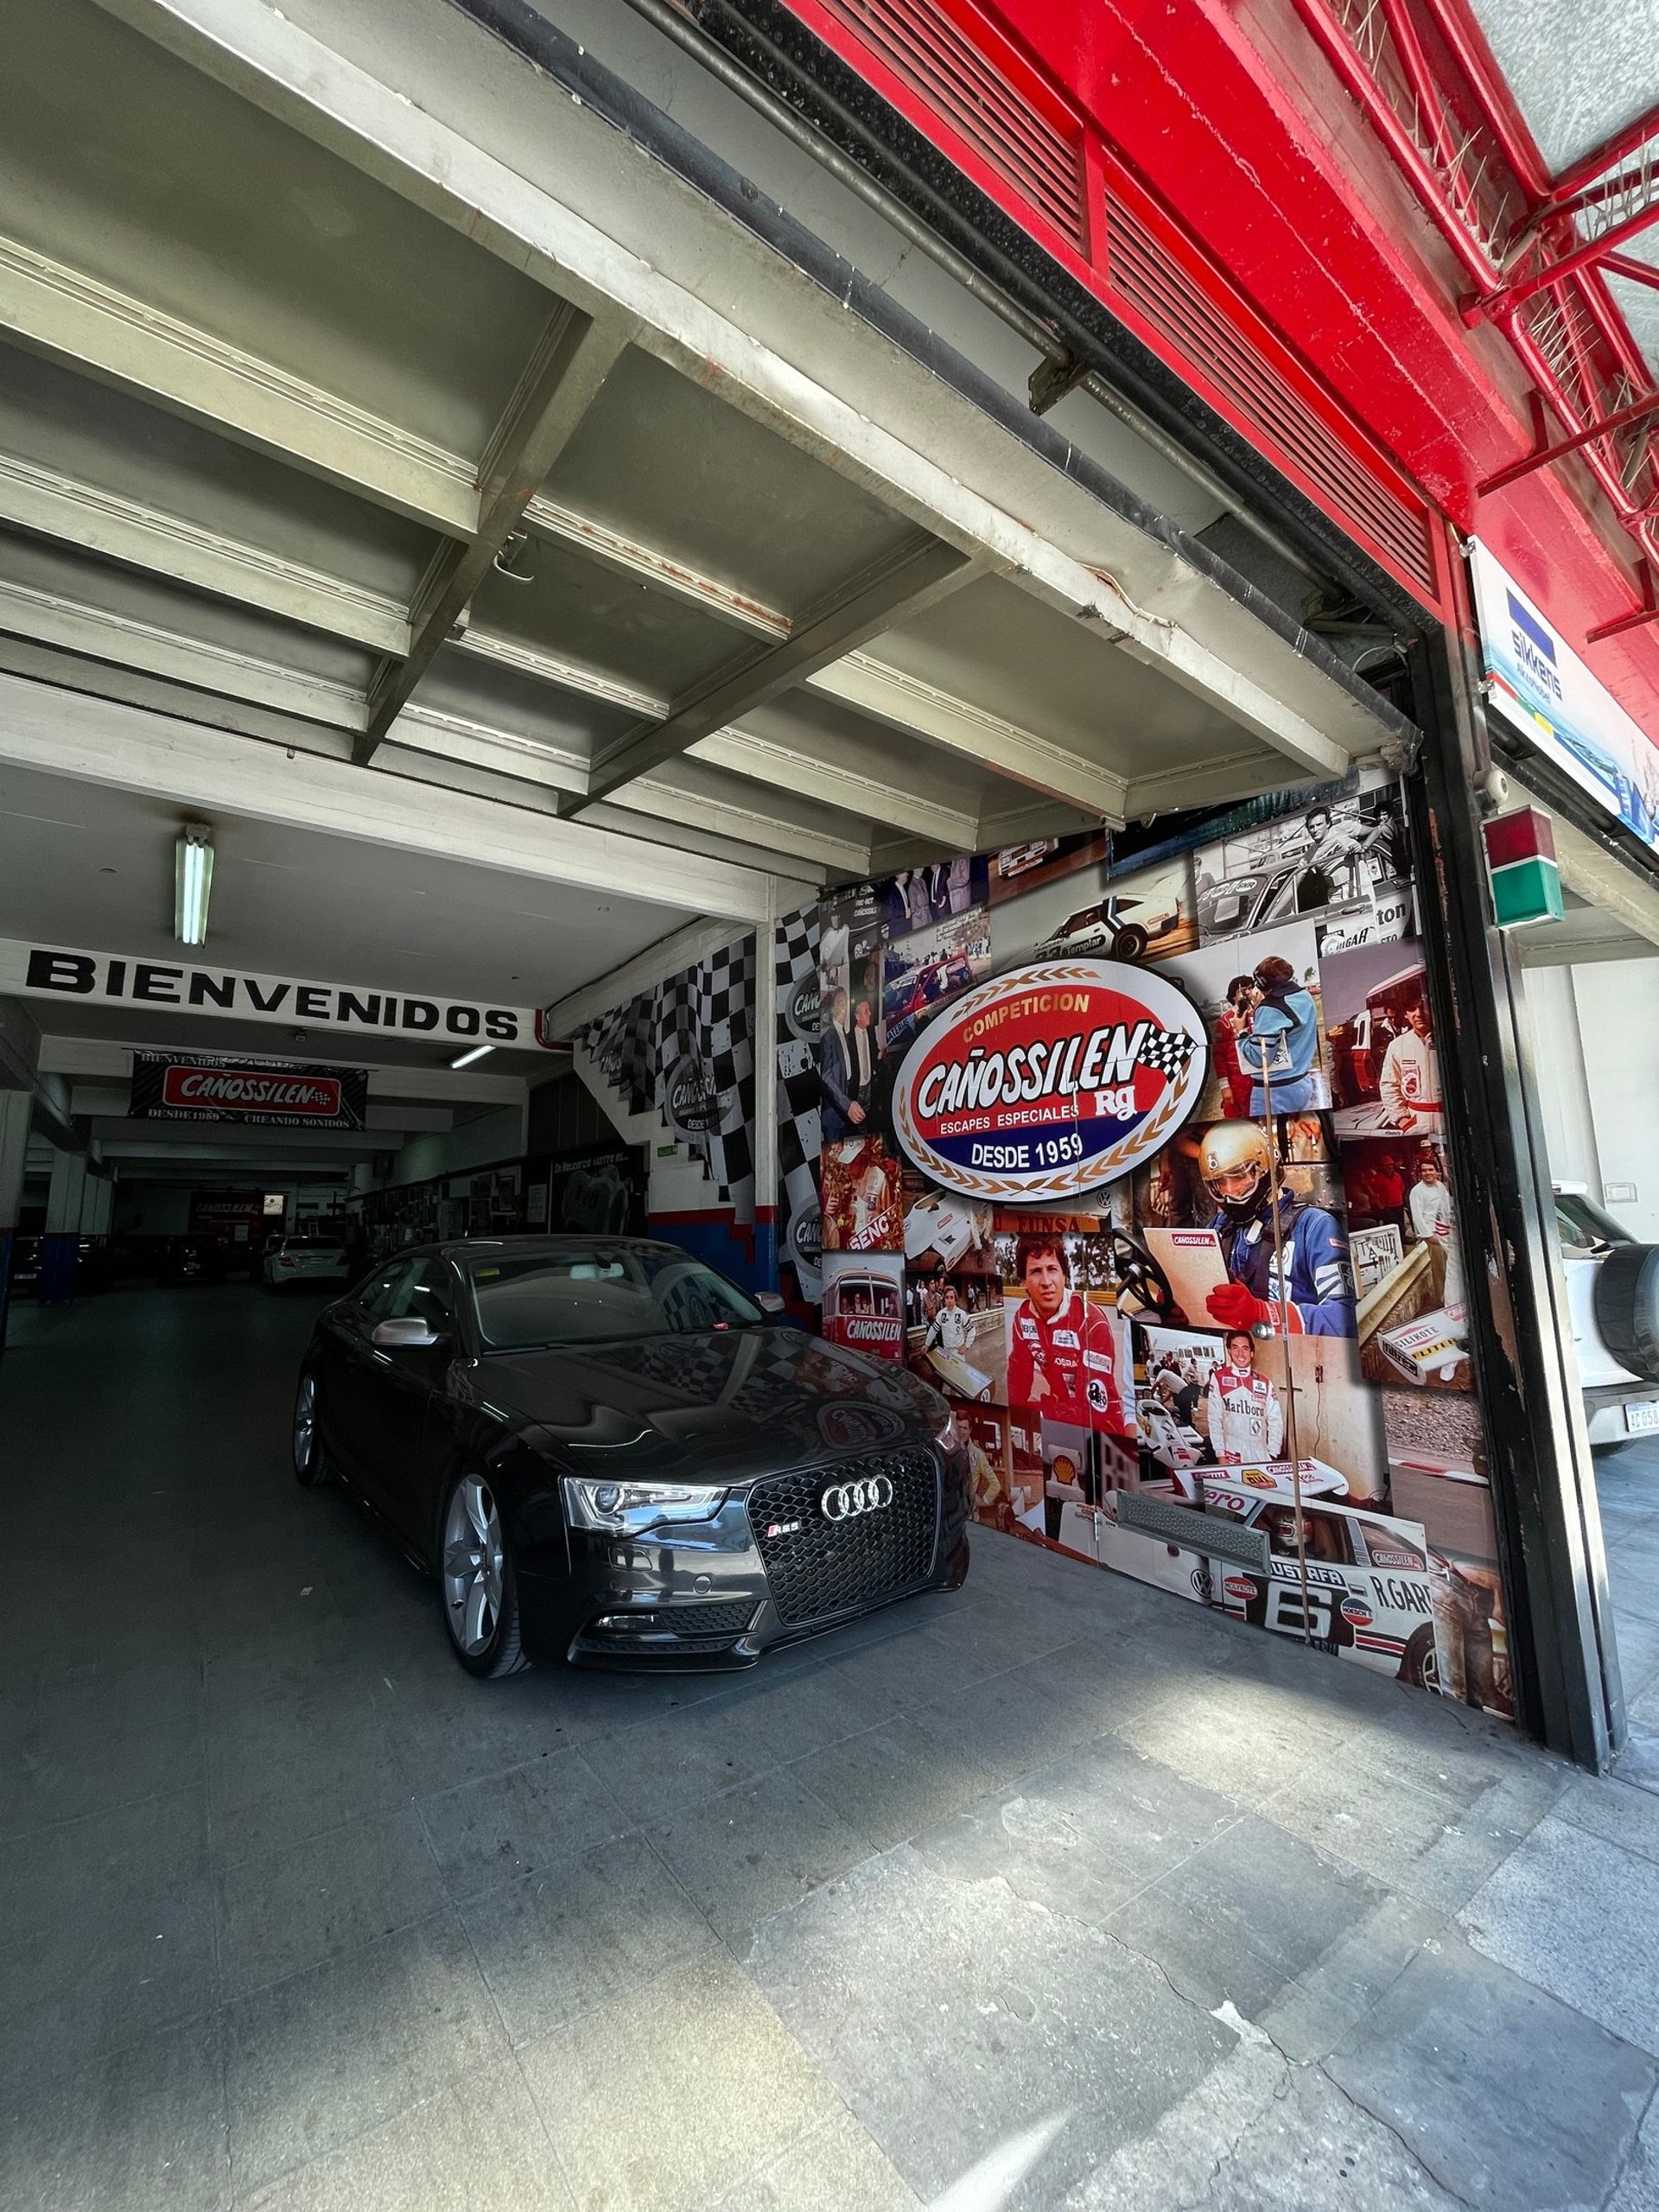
{"x": 1642, "y": 1420}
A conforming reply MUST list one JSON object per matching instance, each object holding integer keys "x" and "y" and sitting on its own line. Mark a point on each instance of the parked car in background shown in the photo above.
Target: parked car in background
{"x": 607, "y": 1453}
{"x": 295, "y": 1260}
{"x": 26, "y": 1252}
{"x": 190, "y": 1260}
{"x": 1613, "y": 1295}
{"x": 94, "y": 1269}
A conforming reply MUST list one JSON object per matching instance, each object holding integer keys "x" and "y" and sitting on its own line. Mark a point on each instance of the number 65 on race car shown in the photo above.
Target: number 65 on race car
{"x": 1369, "y": 1588}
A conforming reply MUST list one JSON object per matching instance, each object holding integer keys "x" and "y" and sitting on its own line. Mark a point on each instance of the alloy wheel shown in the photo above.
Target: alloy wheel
{"x": 305, "y": 1424}
{"x": 473, "y": 1566}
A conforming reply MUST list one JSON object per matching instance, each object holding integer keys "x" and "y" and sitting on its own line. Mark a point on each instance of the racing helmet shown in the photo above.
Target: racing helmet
{"x": 1236, "y": 1167}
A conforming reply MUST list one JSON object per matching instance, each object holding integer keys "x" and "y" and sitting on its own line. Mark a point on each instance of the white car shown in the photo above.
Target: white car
{"x": 305, "y": 1258}
{"x": 1613, "y": 1295}
{"x": 1368, "y": 1595}
{"x": 1369, "y": 1576}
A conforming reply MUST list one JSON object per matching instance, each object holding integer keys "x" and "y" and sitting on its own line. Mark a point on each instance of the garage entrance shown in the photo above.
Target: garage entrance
{"x": 502, "y": 623}
{"x": 299, "y": 1915}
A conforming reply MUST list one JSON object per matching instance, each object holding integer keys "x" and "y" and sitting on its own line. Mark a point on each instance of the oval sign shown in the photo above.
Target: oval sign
{"x": 802, "y": 1015}
{"x": 691, "y": 1100}
{"x": 1050, "y": 1080}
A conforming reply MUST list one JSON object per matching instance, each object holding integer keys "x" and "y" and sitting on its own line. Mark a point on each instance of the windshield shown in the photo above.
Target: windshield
{"x": 604, "y": 1295}
{"x": 1580, "y": 1221}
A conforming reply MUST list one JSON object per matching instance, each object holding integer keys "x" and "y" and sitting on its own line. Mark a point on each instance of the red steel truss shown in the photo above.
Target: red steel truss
{"x": 1537, "y": 250}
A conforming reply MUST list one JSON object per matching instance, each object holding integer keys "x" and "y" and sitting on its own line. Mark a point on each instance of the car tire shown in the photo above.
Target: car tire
{"x": 478, "y": 1586}
{"x": 1131, "y": 942}
{"x": 311, "y": 1461}
{"x": 1627, "y": 1308}
{"x": 1421, "y": 1665}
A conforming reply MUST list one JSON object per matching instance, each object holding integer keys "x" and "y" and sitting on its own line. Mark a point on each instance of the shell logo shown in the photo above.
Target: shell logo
{"x": 1050, "y": 1081}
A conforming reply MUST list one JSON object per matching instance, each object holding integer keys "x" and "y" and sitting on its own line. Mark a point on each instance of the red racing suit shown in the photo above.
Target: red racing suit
{"x": 1246, "y": 1420}
{"x": 1076, "y": 1354}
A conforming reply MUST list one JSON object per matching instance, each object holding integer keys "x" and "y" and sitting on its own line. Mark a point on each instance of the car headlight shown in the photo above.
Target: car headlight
{"x": 630, "y": 1508}
{"x": 950, "y": 1438}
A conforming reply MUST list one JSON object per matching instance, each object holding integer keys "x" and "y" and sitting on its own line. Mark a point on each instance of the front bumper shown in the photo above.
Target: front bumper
{"x": 701, "y": 1596}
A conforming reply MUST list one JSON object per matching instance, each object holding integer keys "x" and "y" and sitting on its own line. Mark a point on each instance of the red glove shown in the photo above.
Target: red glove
{"x": 1236, "y": 1307}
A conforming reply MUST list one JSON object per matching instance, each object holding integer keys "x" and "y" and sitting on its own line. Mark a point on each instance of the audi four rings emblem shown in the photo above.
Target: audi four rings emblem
{"x": 846, "y": 1501}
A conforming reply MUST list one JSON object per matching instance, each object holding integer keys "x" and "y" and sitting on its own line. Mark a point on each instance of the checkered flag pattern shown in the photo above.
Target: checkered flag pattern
{"x": 724, "y": 1014}
{"x": 620, "y": 1045}
{"x": 795, "y": 964}
{"x": 673, "y": 1036}
{"x": 1166, "y": 1050}
{"x": 703, "y": 1019}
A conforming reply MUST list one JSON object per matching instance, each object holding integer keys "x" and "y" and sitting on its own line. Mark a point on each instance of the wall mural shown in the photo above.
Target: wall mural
{"x": 1141, "y": 1165}
{"x": 687, "y": 1050}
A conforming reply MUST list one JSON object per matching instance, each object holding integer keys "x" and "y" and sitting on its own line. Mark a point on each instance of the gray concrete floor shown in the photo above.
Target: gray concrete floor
{"x": 1059, "y": 1893}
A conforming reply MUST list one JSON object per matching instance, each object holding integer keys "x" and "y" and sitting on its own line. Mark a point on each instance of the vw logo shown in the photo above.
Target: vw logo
{"x": 846, "y": 1501}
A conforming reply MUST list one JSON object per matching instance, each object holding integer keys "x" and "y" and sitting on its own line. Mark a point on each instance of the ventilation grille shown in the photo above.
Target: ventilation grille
{"x": 1150, "y": 282}
{"x": 921, "y": 45}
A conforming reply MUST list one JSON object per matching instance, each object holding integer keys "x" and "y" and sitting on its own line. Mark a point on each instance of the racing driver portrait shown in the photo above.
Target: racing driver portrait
{"x": 1246, "y": 1421}
{"x": 1235, "y": 1165}
{"x": 1063, "y": 1352}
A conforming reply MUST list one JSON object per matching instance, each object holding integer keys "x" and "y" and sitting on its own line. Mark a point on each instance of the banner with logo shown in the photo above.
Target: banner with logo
{"x": 260, "y": 1094}
{"x": 1542, "y": 687}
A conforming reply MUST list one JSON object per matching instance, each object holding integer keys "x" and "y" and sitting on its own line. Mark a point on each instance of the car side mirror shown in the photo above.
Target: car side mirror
{"x": 770, "y": 1302}
{"x": 410, "y": 1334}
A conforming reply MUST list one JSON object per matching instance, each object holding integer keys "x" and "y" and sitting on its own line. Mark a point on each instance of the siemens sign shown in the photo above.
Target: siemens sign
{"x": 1542, "y": 688}
{"x": 56, "y": 971}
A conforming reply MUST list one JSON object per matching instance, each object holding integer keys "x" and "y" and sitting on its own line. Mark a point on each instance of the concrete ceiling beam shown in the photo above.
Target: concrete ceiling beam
{"x": 765, "y": 761}
{"x": 912, "y": 577}
{"x": 64, "y": 507}
{"x": 132, "y": 748}
{"x": 72, "y": 317}
{"x": 559, "y": 385}
{"x": 905, "y": 702}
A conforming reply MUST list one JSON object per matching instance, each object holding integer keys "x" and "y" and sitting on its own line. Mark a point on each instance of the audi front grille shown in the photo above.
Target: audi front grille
{"x": 817, "y": 1565}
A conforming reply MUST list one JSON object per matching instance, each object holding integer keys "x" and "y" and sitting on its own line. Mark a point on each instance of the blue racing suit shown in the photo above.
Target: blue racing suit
{"x": 1283, "y": 1043}
{"x": 1316, "y": 1255}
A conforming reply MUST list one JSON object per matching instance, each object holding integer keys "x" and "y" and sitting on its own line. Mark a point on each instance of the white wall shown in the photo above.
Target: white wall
{"x": 499, "y": 1136}
{"x": 1618, "y": 1022}
{"x": 1595, "y": 1059}
{"x": 678, "y": 1182}
{"x": 1559, "y": 1069}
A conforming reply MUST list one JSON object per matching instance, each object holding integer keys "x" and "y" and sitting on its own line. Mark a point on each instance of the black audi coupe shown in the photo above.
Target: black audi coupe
{"x": 608, "y": 1453}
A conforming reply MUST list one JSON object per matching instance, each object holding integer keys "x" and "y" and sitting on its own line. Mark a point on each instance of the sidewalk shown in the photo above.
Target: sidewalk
{"x": 1059, "y": 1895}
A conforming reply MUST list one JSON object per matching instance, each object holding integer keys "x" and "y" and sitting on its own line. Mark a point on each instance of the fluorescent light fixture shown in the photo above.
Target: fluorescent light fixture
{"x": 192, "y": 882}
{"x": 476, "y": 1053}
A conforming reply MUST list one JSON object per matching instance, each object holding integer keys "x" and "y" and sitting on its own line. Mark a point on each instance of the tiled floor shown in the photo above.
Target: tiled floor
{"x": 1059, "y": 1893}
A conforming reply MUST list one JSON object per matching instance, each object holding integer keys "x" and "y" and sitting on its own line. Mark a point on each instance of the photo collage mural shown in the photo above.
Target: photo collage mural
{"x": 1141, "y": 1164}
